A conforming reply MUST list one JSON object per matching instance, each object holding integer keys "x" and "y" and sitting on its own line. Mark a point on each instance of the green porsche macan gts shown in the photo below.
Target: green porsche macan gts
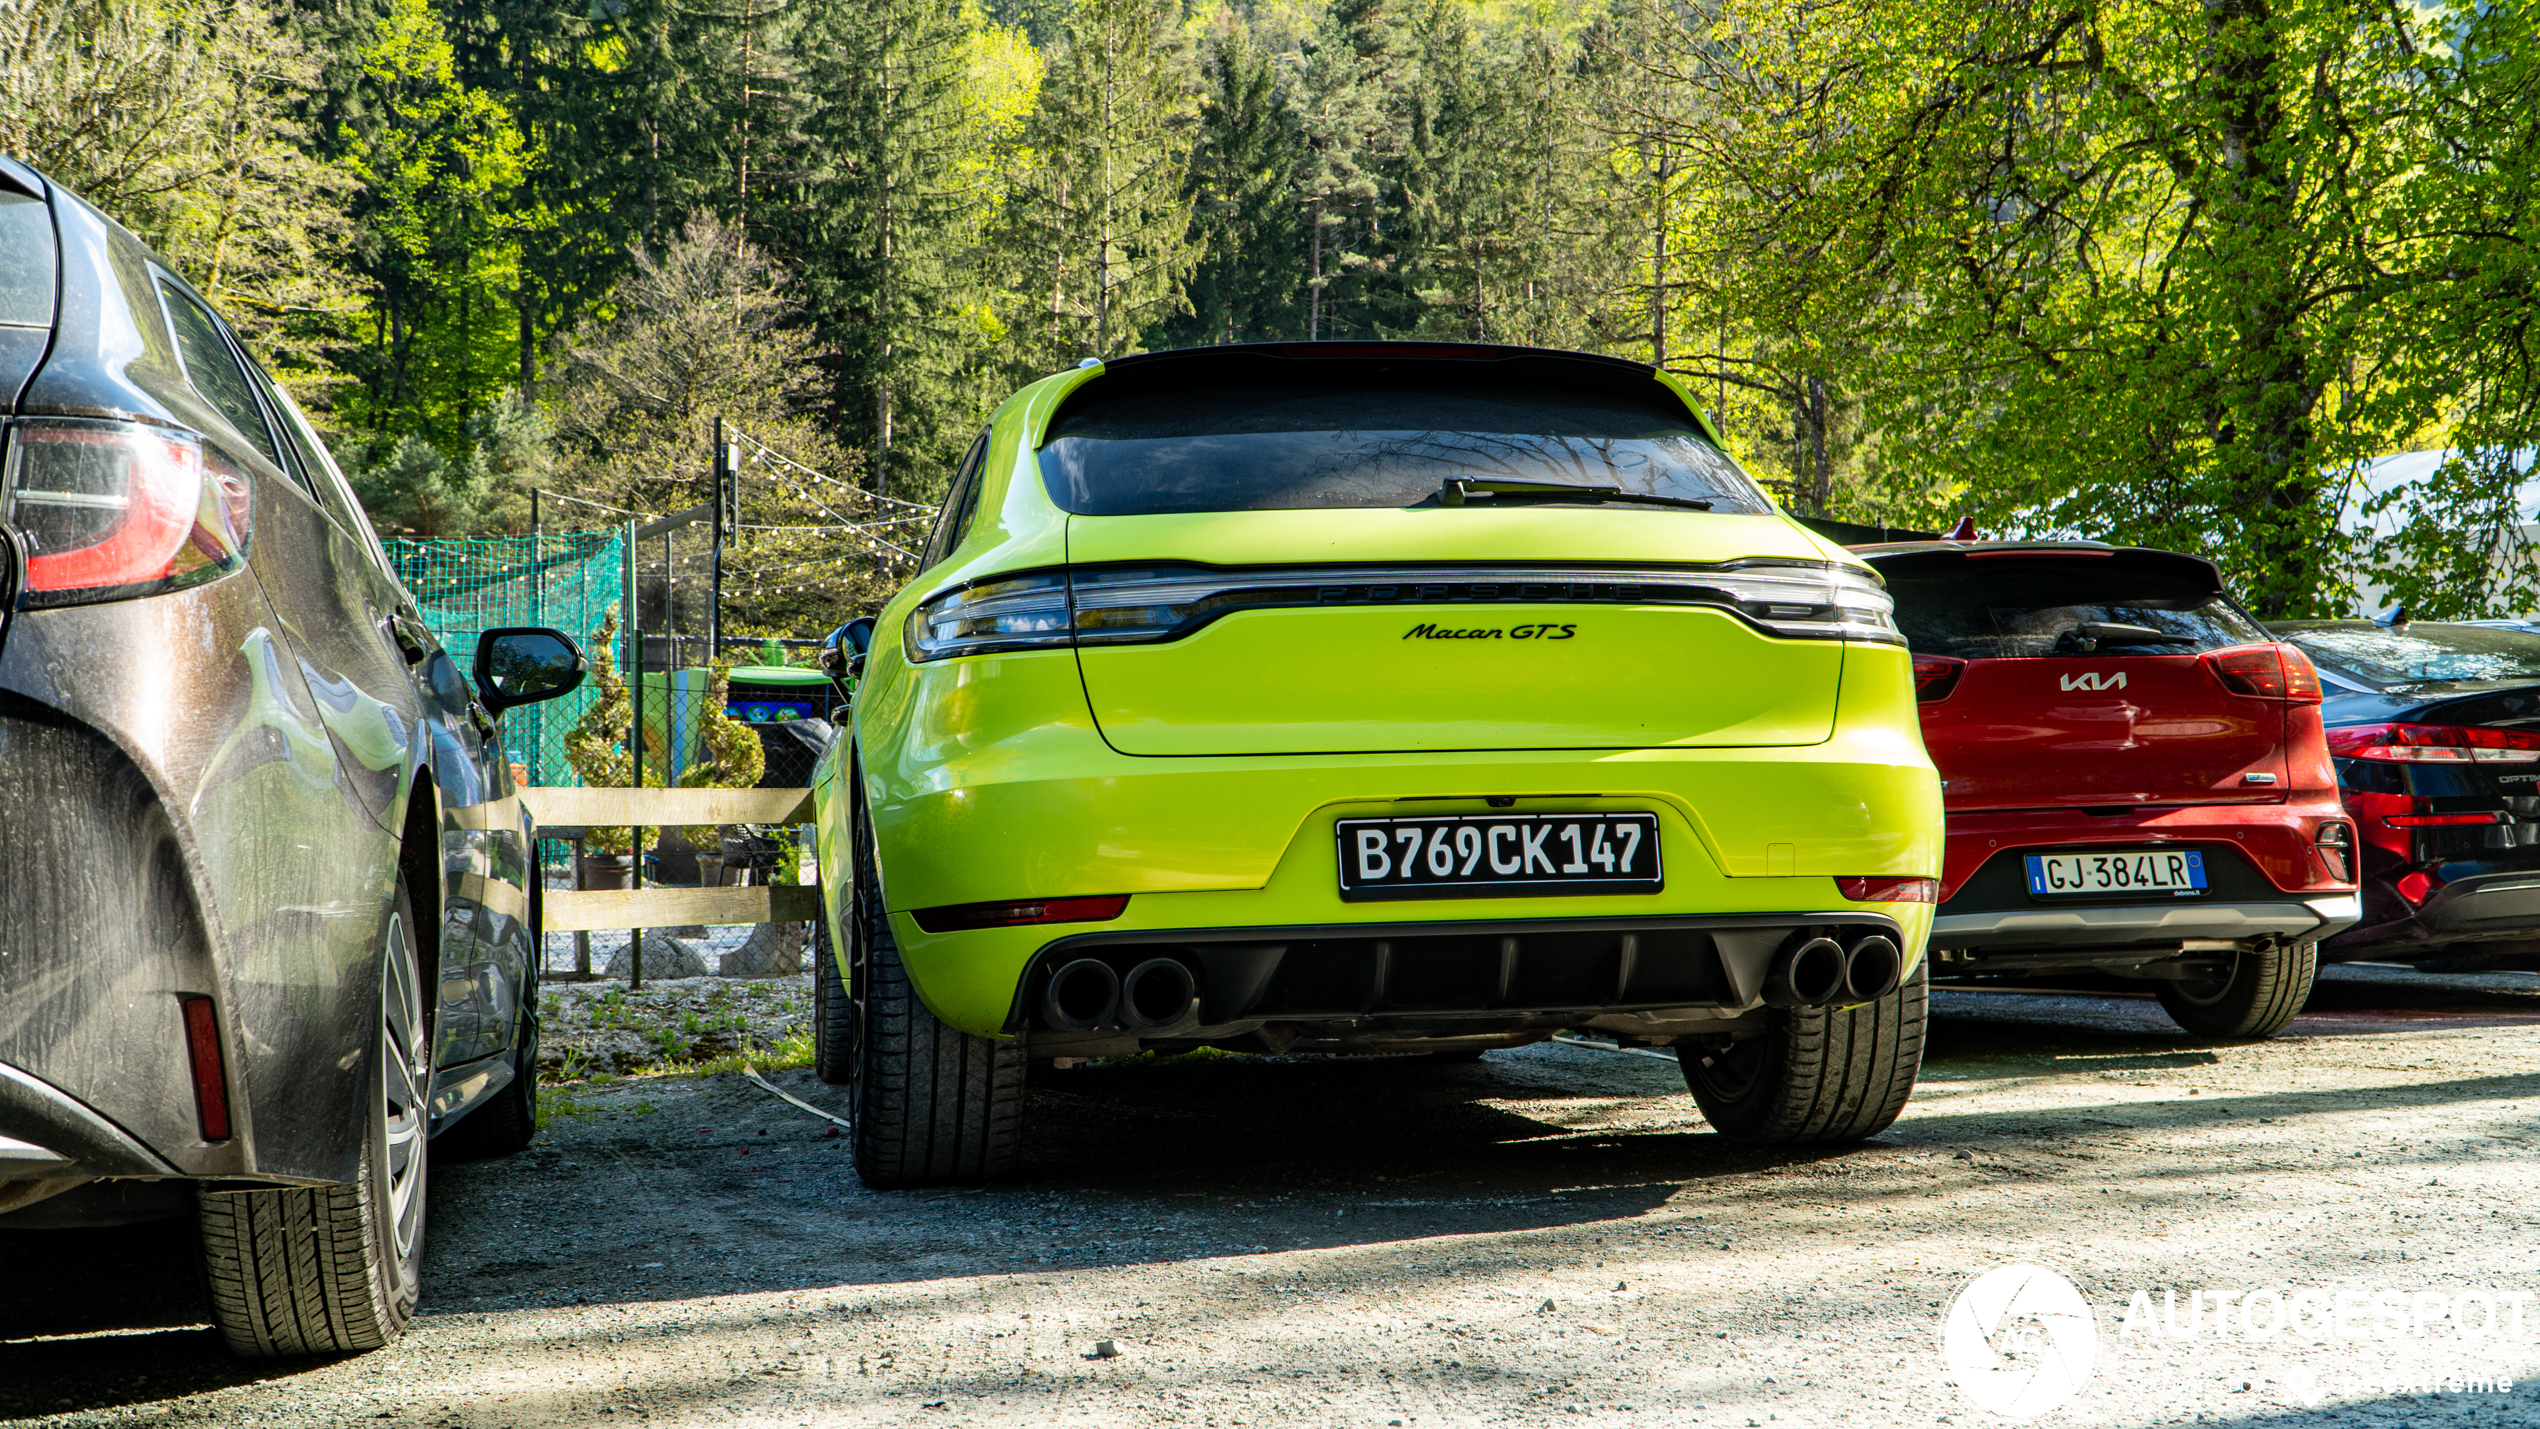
{"x": 1381, "y": 697}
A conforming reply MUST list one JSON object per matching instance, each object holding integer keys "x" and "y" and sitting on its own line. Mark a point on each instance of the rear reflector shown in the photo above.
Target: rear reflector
{"x": 2336, "y": 845}
{"x": 117, "y": 509}
{"x": 962, "y": 917}
{"x": 2439, "y": 821}
{"x": 211, "y": 1087}
{"x": 1890, "y": 890}
{"x": 1935, "y": 676}
{"x": 2435, "y": 744}
{"x": 2267, "y": 672}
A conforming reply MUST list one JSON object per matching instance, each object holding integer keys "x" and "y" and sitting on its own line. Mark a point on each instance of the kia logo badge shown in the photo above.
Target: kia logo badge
{"x": 2095, "y": 681}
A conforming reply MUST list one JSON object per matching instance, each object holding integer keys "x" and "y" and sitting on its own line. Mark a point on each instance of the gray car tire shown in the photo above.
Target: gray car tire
{"x": 336, "y": 1269}
{"x": 2261, "y": 995}
{"x": 1816, "y": 1076}
{"x": 934, "y": 1106}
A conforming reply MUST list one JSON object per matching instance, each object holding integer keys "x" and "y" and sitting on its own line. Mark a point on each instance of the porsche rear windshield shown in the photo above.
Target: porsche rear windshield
{"x": 2424, "y": 654}
{"x": 1298, "y": 445}
{"x": 2009, "y": 609}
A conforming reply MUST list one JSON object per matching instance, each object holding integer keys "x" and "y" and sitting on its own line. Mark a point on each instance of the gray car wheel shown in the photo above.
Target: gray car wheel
{"x": 335, "y": 1269}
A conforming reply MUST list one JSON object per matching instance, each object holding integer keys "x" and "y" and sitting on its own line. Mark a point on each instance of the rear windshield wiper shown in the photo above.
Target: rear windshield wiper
{"x": 1456, "y": 490}
{"x": 2088, "y": 636}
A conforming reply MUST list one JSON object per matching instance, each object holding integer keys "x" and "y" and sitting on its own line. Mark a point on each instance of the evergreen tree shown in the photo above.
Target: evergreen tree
{"x": 1347, "y": 129}
{"x": 1100, "y": 235}
{"x": 1245, "y": 166}
{"x": 878, "y": 231}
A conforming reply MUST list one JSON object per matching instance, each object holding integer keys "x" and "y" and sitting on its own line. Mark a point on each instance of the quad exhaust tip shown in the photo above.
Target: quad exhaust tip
{"x": 1872, "y": 969}
{"x": 1081, "y": 996}
{"x": 1809, "y": 973}
{"x": 1820, "y": 972}
{"x": 1156, "y": 994}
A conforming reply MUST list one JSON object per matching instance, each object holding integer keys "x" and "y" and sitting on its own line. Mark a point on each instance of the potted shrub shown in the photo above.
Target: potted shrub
{"x": 596, "y": 748}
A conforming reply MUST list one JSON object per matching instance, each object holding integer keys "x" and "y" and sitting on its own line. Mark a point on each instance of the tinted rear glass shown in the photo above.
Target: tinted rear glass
{"x": 1980, "y": 609}
{"x": 2424, "y": 654}
{"x": 1302, "y": 445}
{"x": 26, "y": 261}
{"x": 214, "y": 370}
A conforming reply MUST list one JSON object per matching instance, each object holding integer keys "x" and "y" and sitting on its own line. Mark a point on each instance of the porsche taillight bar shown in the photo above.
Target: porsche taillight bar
{"x": 1145, "y": 604}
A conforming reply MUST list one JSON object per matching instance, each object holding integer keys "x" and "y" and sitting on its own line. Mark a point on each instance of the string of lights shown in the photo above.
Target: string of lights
{"x": 765, "y": 451}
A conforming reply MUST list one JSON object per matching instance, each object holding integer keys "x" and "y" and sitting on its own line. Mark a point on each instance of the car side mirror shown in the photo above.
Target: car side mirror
{"x": 523, "y": 664}
{"x": 842, "y": 654}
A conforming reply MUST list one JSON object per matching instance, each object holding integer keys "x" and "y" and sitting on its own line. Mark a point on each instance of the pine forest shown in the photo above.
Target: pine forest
{"x": 2154, "y": 271}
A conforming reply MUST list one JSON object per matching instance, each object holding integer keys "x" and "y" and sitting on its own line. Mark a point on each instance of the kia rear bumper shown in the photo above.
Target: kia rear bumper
{"x": 2154, "y": 926}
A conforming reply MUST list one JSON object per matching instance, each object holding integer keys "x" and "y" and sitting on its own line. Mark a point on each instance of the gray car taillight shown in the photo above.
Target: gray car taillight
{"x": 113, "y": 510}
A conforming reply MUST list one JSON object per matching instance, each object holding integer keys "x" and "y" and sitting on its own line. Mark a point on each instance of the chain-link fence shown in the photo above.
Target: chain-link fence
{"x": 573, "y": 582}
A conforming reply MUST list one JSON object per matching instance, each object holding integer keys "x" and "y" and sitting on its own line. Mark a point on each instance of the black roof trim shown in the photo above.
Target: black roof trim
{"x": 1184, "y": 367}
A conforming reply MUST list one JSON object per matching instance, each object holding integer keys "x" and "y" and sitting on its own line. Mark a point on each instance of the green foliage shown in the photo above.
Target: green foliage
{"x": 734, "y": 758}
{"x": 176, "y": 118}
{"x": 2148, "y": 270}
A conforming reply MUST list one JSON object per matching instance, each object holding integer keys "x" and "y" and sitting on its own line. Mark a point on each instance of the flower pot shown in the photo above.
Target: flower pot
{"x": 608, "y": 870}
{"x": 709, "y": 870}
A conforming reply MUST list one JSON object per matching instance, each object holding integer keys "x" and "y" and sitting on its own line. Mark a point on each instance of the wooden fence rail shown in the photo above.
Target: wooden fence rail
{"x": 570, "y": 814}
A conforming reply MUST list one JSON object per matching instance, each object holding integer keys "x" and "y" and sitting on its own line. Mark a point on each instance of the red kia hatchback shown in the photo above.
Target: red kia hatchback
{"x": 2135, "y": 772}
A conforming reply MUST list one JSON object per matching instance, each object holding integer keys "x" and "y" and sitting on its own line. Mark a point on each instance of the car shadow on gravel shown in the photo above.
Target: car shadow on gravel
{"x": 121, "y": 1318}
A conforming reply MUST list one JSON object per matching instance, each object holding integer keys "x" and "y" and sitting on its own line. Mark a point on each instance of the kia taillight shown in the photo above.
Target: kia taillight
{"x": 1935, "y": 676}
{"x": 2267, "y": 672}
{"x": 2435, "y": 744}
{"x": 111, "y": 510}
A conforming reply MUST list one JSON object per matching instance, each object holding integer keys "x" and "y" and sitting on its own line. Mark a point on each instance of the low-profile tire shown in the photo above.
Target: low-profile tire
{"x": 335, "y": 1269}
{"x": 833, "y": 1029}
{"x": 933, "y": 1105}
{"x": 2261, "y": 994}
{"x": 1816, "y": 1076}
{"x": 506, "y": 1122}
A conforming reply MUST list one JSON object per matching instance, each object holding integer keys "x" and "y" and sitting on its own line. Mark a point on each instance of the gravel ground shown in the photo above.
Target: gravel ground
{"x": 1547, "y": 1236}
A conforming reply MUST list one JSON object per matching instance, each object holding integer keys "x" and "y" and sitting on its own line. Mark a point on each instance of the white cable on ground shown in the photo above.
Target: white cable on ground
{"x": 1575, "y": 1041}
{"x": 752, "y": 1073}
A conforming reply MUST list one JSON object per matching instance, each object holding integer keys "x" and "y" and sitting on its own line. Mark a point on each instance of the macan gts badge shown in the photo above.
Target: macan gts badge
{"x": 1370, "y": 697}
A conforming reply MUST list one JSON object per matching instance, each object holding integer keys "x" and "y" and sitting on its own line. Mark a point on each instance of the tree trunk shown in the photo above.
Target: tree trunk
{"x": 2264, "y": 442}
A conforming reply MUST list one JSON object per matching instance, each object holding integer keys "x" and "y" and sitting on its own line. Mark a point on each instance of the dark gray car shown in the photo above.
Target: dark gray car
{"x": 265, "y": 884}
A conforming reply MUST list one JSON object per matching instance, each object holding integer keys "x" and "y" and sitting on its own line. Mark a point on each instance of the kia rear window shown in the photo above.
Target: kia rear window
{"x": 1983, "y": 609}
{"x": 2423, "y": 654}
{"x": 1367, "y": 442}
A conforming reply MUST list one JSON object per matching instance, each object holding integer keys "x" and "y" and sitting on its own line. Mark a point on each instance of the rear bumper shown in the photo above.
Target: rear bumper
{"x": 1476, "y": 977}
{"x": 47, "y": 1134}
{"x": 2475, "y": 912}
{"x": 2294, "y": 919}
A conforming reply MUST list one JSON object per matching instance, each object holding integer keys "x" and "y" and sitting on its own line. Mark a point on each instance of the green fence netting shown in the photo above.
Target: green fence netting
{"x": 572, "y": 582}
